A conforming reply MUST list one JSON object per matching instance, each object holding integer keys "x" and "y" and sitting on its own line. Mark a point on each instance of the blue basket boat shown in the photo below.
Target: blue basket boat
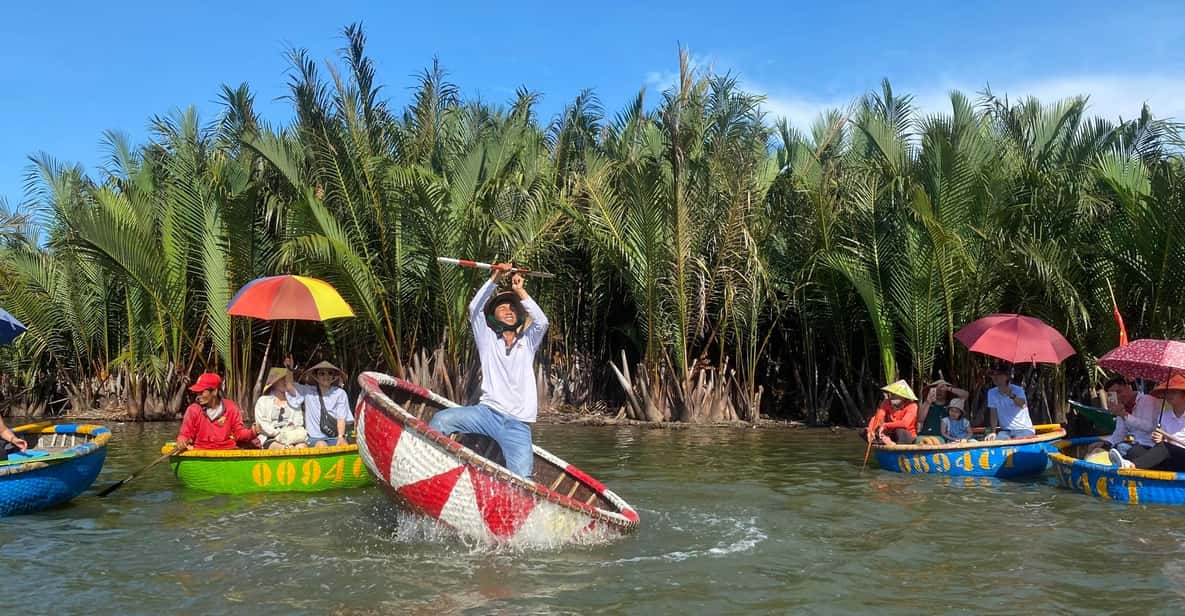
{"x": 1126, "y": 485}
{"x": 1011, "y": 458}
{"x": 62, "y": 462}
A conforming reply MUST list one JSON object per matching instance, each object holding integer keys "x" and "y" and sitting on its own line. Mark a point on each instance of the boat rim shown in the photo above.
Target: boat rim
{"x": 372, "y": 382}
{"x": 222, "y": 454}
{"x": 1068, "y": 460}
{"x": 100, "y": 435}
{"x": 1045, "y": 434}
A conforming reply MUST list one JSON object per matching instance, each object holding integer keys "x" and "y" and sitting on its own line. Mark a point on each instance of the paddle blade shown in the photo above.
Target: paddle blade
{"x": 115, "y": 486}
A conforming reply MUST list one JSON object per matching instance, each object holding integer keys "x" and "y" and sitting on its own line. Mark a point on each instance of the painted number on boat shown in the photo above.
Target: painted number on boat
{"x": 310, "y": 473}
{"x": 1105, "y": 487}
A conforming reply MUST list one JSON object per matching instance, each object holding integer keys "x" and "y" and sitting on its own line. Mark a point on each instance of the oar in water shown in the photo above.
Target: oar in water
{"x": 486, "y": 266}
{"x": 115, "y": 486}
{"x": 868, "y": 450}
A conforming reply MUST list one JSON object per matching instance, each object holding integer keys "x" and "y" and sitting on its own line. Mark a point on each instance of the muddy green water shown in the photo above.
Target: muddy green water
{"x": 733, "y": 521}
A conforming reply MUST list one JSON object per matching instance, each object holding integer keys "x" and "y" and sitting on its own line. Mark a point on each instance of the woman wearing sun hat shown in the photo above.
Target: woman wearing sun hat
{"x": 326, "y": 405}
{"x": 279, "y": 413}
{"x": 895, "y": 420}
{"x": 1167, "y": 454}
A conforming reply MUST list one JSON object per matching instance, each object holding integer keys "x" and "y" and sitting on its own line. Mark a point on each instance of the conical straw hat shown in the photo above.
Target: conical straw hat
{"x": 900, "y": 389}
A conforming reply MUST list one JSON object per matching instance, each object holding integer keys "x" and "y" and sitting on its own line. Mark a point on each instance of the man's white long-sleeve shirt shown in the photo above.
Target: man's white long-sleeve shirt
{"x": 508, "y": 373}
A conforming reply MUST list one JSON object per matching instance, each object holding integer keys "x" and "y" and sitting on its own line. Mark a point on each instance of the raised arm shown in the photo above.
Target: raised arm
{"x": 477, "y": 316}
{"x": 539, "y": 323}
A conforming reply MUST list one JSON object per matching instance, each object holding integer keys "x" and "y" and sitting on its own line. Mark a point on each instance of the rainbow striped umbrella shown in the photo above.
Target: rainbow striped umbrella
{"x": 289, "y": 297}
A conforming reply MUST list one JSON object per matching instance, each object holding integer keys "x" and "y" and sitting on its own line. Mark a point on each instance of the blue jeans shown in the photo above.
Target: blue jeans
{"x": 512, "y": 435}
{"x": 1004, "y": 435}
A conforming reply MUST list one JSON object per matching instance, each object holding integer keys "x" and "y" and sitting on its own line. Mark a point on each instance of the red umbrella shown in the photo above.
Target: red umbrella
{"x": 1154, "y": 360}
{"x": 1015, "y": 339}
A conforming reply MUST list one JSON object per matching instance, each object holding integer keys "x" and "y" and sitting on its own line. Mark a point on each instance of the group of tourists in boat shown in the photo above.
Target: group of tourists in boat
{"x": 508, "y": 329}
{"x": 288, "y": 415}
{"x": 1149, "y": 427}
{"x": 942, "y": 416}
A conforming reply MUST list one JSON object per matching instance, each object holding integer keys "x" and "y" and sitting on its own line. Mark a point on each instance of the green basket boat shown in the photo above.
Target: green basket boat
{"x": 244, "y": 471}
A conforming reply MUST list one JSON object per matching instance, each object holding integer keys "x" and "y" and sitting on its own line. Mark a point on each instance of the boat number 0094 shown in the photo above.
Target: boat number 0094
{"x": 309, "y": 472}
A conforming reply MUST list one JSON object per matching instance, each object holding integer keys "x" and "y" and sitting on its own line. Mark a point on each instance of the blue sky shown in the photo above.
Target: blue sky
{"x": 71, "y": 70}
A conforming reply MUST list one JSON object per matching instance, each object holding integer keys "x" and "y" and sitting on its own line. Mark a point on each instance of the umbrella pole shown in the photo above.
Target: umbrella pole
{"x": 256, "y": 391}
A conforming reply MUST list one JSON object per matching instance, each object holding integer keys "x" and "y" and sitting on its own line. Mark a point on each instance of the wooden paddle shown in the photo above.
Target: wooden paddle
{"x": 117, "y": 485}
{"x": 868, "y": 450}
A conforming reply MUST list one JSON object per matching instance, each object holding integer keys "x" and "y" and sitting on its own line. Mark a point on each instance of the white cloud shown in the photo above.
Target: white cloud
{"x": 1109, "y": 96}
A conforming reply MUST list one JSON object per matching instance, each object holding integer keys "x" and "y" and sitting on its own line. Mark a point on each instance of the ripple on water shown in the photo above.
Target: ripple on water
{"x": 767, "y": 521}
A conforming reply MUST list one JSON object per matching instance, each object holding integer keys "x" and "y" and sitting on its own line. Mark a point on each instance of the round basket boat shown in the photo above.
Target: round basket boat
{"x": 61, "y": 462}
{"x": 1010, "y": 458}
{"x": 1108, "y": 482}
{"x": 244, "y": 471}
{"x": 468, "y": 490}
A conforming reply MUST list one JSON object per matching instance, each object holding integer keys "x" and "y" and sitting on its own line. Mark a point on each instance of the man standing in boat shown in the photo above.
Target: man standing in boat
{"x": 506, "y": 344}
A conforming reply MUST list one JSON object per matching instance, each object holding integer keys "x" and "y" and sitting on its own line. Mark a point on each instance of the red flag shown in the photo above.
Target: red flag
{"x": 1118, "y": 317}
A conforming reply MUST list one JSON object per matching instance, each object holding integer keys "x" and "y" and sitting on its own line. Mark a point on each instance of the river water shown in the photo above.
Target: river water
{"x": 733, "y": 521}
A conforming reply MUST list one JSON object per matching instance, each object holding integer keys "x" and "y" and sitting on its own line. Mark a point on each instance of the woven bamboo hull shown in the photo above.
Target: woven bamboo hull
{"x": 430, "y": 474}
{"x": 1112, "y": 483}
{"x": 245, "y": 471}
{"x": 38, "y": 484}
{"x": 1011, "y": 458}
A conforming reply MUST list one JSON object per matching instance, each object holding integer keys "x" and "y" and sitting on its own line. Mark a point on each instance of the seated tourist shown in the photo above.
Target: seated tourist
{"x": 212, "y": 422}
{"x": 895, "y": 420}
{"x": 1008, "y": 406}
{"x": 956, "y": 428}
{"x": 326, "y": 405}
{"x": 1136, "y": 414}
{"x": 279, "y": 413}
{"x": 934, "y": 408}
{"x": 1168, "y": 450}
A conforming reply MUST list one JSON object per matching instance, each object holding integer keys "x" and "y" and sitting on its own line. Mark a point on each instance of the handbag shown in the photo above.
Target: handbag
{"x": 328, "y": 422}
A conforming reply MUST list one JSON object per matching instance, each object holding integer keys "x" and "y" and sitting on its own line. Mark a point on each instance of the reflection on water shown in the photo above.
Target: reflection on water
{"x": 733, "y": 520}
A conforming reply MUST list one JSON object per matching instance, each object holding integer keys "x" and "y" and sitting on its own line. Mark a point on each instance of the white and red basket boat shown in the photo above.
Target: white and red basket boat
{"x": 429, "y": 473}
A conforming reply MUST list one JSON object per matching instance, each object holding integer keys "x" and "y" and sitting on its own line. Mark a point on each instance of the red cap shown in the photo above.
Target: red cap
{"x": 207, "y": 380}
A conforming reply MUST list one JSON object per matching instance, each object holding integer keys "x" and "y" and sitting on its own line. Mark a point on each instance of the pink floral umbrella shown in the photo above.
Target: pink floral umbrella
{"x": 1154, "y": 360}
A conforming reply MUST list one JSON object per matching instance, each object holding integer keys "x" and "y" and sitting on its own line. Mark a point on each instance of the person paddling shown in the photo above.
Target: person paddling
{"x": 895, "y": 420}
{"x": 506, "y": 345}
{"x": 212, "y": 422}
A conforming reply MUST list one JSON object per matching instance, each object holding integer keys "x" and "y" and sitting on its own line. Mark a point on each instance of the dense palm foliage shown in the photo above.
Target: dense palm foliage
{"x": 712, "y": 264}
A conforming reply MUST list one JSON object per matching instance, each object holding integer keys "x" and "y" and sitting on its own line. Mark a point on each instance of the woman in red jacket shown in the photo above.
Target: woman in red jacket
{"x": 896, "y": 419}
{"x": 212, "y": 422}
